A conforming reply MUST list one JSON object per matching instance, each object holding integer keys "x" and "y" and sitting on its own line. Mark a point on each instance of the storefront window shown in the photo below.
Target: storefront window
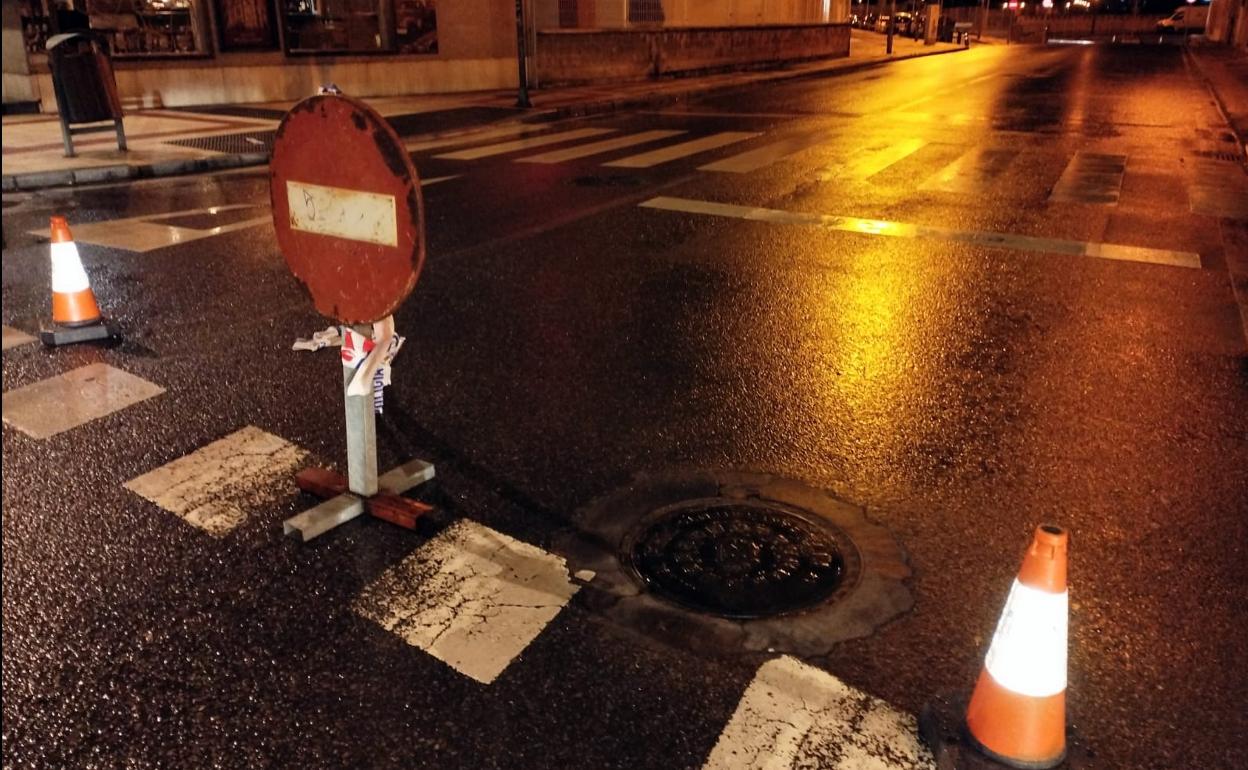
{"x": 35, "y": 25}
{"x": 415, "y": 26}
{"x": 246, "y": 25}
{"x": 315, "y": 26}
{"x": 148, "y": 27}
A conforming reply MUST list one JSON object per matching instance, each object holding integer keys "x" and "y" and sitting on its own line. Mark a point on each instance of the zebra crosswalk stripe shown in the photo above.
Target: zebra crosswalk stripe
{"x": 1091, "y": 178}
{"x": 597, "y": 148}
{"x": 451, "y": 141}
{"x": 975, "y": 167}
{"x": 488, "y": 150}
{"x": 874, "y": 162}
{"x": 217, "y": 486}
{"x": 752, "y": 160}
{"x": 796, "y": 715}
{"x": 682, "y": 150}
{"x": 472, "y": 597}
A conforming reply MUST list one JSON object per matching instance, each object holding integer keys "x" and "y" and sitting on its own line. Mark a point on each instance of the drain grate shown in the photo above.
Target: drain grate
{"x": 234, "y": 144}
{"x": 1232, "y": 157}
{"x": 740, "y": 558}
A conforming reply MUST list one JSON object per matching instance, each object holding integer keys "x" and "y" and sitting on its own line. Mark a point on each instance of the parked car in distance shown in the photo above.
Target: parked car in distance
{"x": 1190, "y": 19}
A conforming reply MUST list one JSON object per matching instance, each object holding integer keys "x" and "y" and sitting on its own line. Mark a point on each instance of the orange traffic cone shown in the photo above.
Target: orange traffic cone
{"x": 1017, "y": 712}
{"x": 75, "y": 314}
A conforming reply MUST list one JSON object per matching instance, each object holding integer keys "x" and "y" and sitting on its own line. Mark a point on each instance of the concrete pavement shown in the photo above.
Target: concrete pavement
{"x": 173, "y": 142}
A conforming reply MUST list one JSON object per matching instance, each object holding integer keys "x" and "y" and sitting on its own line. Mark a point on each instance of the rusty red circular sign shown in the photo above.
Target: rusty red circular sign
{"x": 347, "y": 208}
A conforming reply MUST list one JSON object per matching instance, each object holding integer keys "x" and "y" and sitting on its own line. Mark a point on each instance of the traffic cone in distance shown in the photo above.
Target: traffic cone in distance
{"x": 1017, "y": 712}
{"x": 75, "y": 314}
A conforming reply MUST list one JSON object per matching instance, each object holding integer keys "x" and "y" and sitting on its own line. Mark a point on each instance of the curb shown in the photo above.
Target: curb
{"x": 1241, "y": 134}
{"x": 606, "y": 106}
{"x": 1237, "y": 270}
{"x": 123, "y": 172}
{"x": 101, "y": 174}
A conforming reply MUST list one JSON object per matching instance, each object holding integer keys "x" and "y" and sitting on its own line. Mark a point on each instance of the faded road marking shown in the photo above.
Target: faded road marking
{"x": 473, "y": 598}
{"x": 971, "y": 172}
{"x": 795, "y": 716}
{"x": 524, "y": 144}
{"x": 1091, "y": 178}
{"x": 147, "y": 233}
{"x": 903, "y": 230}
{"x": 596, "y": 148}
{"x": 767, "y": 154}
{"x": 217, "y": 486}
{"x": 1218, "y": 189}
{"x": 14, "y": 337}
{"x": 48, "y": 407}
{"x": 682, "y": 150}
{"x": 874, "y": 162}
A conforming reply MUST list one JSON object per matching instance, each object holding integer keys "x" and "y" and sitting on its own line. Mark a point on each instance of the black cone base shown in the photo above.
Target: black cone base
{"x": 55, "y": 335}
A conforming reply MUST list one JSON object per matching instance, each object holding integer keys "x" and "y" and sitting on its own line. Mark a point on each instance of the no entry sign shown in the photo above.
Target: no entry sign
{"x": 347, "y": 208}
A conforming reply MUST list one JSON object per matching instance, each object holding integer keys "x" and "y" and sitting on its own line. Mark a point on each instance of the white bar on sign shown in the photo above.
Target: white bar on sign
{"x": 352, "y": 214}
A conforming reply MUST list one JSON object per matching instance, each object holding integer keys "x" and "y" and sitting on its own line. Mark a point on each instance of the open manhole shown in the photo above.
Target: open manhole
{"x": 740, "y": 558}
{"x": 728, "y": 561}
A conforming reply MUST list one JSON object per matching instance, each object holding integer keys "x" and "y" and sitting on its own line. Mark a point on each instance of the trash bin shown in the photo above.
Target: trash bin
{"x": 86, "y": 89}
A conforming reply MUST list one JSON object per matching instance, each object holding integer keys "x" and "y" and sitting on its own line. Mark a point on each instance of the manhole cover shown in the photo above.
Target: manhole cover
{"x": 740, "y": 558}
{"x": 729, "y": 561}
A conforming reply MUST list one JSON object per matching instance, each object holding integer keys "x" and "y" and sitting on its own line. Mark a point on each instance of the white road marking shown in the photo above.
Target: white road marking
{"x": 472, "y": 598}
{"x": 474, "y": 153}
{"x": 796, "y": 716}
{"x": 682, "y": 150}
{"x": 874, "y": 162}
{"x": 753, "y": 160}
{"x": 594, "y": 148}
{"x": 48, "y": 407}
{"x": 1218, "y": 189}
{"x": 971, "y": 170}
{"x": 146, "y": 233}
{"x": 494, "y": 133}
{"x": 1091, "y": 178}
{"x": 14, "y": 337}
{"x": 903, "y": 230}
{"x": 436, "y": 179}
{"x": 215, "y": 487}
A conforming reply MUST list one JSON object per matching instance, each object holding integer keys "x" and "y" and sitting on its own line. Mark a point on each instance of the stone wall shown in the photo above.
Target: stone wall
{"x": 603, "y": 56}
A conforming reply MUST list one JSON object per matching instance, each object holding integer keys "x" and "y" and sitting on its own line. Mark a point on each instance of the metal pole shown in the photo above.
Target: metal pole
{"x": 361, "y": 434}
{"x": 892, "y": 22}
{"x": 521, "y": 53}
{"x": 983, "y": 20}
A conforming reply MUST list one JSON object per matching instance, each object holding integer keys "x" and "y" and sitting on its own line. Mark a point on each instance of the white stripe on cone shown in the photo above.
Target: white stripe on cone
{"x": 68, "y": 276}
{"x": 1028, "y": 651}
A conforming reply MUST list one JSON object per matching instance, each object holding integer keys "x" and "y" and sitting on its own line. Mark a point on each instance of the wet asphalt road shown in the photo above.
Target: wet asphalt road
{"x": 563, "y": 339}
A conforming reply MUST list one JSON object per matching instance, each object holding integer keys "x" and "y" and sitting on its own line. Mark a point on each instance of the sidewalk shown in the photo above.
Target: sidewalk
{"x": 1226, "y": 70}
{"x": 169, "y": 142}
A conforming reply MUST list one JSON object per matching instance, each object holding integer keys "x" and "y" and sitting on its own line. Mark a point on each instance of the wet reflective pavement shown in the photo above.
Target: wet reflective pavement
{"x": 564, "y": 339}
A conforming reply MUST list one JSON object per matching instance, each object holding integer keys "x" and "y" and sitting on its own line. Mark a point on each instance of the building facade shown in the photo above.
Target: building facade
{"x": 169, "y": 53}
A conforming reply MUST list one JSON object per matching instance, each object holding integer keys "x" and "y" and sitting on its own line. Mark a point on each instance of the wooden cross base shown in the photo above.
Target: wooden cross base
{"x": 390, "y": 507}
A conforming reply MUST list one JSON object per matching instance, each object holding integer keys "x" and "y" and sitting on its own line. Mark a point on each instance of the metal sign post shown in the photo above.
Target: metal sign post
{"x": 521, "y": 55}
{"x": 350, "y": 222}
